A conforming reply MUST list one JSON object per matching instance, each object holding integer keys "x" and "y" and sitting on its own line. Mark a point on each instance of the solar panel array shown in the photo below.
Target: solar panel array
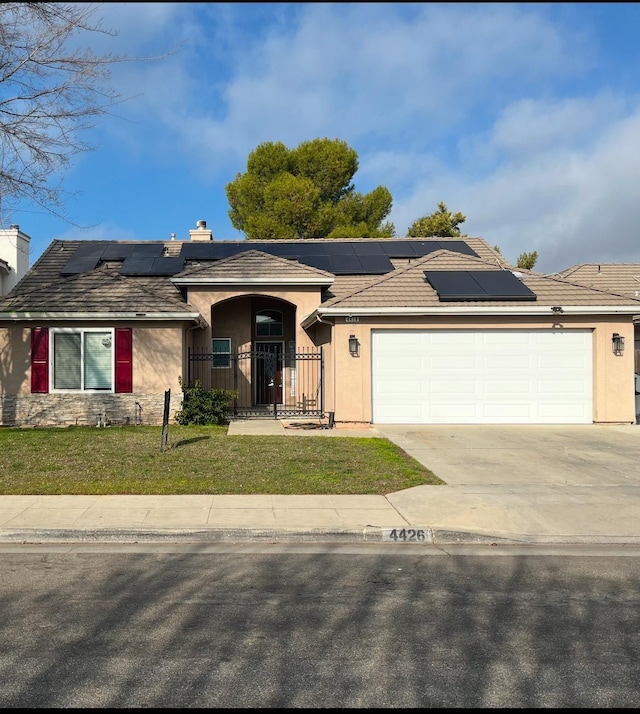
{"x": 457, "y": 285}
{"x": 337, "y": 257}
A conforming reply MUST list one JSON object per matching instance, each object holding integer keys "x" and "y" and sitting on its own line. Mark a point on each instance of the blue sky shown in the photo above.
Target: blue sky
{"x": 525, "y": 117}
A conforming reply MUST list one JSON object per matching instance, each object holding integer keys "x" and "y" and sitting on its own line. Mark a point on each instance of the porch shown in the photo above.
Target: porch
{"x": 270, "y": 383}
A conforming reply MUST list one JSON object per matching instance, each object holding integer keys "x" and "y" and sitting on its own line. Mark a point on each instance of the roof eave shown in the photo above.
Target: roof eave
{"x": 480, "y": 310}
{"x": 31, "y": 316}
{"x": 315, "y": 281}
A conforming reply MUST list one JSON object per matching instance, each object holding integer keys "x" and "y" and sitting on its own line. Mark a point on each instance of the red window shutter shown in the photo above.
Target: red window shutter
{"x": 40, "y": 360}
{"x": 124, "y": 360}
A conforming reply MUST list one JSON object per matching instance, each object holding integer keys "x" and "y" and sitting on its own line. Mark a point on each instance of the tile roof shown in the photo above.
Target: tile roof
{"x": 407, "y": 287}
{"x": 105, "y": 290}
{"x": 253, "y": 264}
{"x": 620, "y": 278}
{"x": 100, "y": 290}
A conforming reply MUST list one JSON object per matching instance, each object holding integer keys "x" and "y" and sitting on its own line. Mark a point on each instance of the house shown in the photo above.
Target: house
{"x": 412, "y": 330}
{"x": 14, "y": 257}
{"x": 620, "y": 278}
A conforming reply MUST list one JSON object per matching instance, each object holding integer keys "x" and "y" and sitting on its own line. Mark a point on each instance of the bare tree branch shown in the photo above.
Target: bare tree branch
{"x": 50, "y": 95}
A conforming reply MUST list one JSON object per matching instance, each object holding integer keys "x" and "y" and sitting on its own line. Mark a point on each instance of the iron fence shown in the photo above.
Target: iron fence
{"x": 268, "y": 381}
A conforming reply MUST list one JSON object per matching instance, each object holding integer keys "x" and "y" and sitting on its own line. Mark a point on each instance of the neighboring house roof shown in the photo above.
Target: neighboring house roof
{"x": 621, "y": 278}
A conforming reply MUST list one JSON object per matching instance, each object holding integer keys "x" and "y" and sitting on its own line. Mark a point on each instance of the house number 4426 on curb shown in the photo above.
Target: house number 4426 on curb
{"x": 405, "y": 535}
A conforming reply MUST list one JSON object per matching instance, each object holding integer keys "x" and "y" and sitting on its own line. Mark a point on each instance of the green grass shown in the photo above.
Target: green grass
{"x": 199, "y": 460}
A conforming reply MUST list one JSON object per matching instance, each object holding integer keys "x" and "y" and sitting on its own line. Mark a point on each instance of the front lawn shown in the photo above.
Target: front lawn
{"x": 199, "y": 460}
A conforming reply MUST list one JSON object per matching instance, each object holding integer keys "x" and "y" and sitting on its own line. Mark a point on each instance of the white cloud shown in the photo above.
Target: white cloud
{"x": 570, "y": 203}
{"x": 502, "y": 111}
{"x": 368, "y": 73}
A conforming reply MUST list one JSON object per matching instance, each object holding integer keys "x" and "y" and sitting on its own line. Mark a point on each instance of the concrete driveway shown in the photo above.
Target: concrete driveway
{"x": 572, "y": 484}
{"x": 576, "y": 455}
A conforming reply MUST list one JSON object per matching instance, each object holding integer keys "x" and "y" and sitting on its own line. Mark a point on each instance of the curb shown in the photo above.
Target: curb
{"x": 256, "y": 535}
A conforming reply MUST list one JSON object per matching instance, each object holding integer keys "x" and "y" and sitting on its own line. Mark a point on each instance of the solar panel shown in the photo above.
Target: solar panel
{"x": 283, "y": 250}
{"x": 209, "y": 250}
{"x": 148, "y": 250}
{"x": 85, "y": 258}
{"x": 300, "y": 249}
{"x": 303, "y": 247}
{"x": 398, "y": 249}
{"x": 457, "y": 285}
{"x": 375, "y": 264}
{"x": 78, "y": 265}
{"x": 368, "y": 248}
{"x": 459, "y": 246}
{"x": 166, "y": 266}
{"x": 503, "y": 284}
{"x": 136, "y": 266}
{"x": 345, "y": 264}
{"x": 340, "y": 248}
{"x": 321, "y": 262}
{"x": 117, "y": 251}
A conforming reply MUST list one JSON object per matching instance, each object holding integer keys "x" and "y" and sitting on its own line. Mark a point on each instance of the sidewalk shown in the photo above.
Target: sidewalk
{"x": 503, "y": 513}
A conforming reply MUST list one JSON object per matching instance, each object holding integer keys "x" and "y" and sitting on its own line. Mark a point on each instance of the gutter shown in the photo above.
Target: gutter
{"x": 466, "y": 311}
{"x": 252, "y": 281}
{"x": 105, "y": 316}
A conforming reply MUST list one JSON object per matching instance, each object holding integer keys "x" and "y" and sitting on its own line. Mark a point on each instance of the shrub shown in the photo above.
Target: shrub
{"x": 204, "y": 406}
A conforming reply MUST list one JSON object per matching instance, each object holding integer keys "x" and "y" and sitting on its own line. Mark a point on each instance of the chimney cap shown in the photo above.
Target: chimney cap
{"x": 201, "y": 224}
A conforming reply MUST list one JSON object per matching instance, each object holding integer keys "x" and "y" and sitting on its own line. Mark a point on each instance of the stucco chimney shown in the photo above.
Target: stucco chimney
{"x": 201, "y": 232}
{"x": 14, "y": 257}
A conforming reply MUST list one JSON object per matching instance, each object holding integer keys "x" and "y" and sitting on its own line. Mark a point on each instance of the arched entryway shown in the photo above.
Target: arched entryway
{"x": 253, "y": 351}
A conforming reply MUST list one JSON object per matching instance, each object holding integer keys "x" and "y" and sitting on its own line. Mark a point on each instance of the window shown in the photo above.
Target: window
{"x": 73, "y": 354}
{"x": 82, "y": 360}
{"x": 269, "y": 323}
{"x": 221, "y": 348}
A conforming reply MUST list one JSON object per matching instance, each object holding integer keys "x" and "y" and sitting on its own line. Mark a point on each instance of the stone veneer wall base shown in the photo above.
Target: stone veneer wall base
{"x": 85, "y": 409}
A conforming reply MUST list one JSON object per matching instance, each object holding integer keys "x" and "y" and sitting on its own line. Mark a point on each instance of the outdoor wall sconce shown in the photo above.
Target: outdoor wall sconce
{"x": 354, "y": 346}
{"x": 617, "y": 343}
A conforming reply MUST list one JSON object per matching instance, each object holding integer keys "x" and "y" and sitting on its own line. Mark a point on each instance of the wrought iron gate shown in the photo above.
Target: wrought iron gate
{"x": 268, "y": 381}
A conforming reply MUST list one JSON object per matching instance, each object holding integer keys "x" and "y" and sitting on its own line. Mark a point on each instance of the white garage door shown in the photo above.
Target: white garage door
{"x": 482, "y": 376}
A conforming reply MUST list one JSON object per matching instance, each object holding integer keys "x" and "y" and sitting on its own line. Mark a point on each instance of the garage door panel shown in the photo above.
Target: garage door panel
{"x": 451, "y": 387}
{"x": 451, "y": 361}
{"x": 409, "y": 387}
{"x": 482, "y": 376}
{"x": 451, "y": 412}
{"x": 507, "y": 412}
{"x": 507, "y": 388}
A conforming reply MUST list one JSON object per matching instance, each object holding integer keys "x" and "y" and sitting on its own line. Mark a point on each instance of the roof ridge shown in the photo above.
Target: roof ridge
{"x": 207, "y": 263}
{"x": 129, "y": 280}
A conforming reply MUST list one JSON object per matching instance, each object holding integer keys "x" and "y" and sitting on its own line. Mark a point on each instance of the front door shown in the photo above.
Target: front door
{"x": 267, "y": 371}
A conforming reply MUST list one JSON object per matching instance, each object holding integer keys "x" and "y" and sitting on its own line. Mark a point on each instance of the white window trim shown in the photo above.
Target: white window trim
{"x": 279, "y": 322}
{"x": 81, "y": 330}
{"x": 213, "y": 353}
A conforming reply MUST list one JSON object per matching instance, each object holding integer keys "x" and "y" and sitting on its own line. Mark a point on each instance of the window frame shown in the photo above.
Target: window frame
{"x": 270, "y": 312}
{"x": 219, "y": 354}
{"x": 82, "y": 331}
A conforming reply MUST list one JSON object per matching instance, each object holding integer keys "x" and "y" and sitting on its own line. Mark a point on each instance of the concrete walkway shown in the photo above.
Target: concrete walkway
{"x": 544, "y": 485}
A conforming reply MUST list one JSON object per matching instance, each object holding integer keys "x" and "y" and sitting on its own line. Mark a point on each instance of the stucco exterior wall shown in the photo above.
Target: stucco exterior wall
{"x": 303, "y": 299}
{"x": 157, "y": 366}
{"x": 157, "y": 358}
{"x": 348, "y": 386}
{"x": 15, "y": 360}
